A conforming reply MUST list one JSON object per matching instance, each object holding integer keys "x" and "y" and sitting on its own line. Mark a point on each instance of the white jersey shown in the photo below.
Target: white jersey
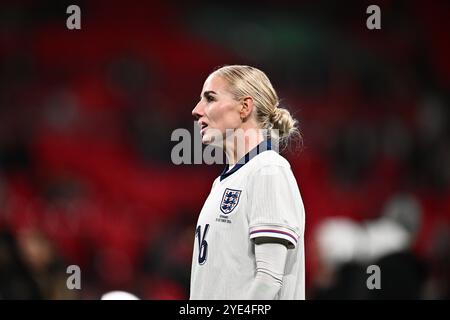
{"x": 257, "y": 199}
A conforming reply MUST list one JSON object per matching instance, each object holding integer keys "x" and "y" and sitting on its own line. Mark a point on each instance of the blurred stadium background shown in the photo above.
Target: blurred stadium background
{"x": 86, "y": 118}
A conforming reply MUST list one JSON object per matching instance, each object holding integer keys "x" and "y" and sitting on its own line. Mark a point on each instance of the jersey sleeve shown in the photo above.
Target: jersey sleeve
{"x": 276, "y": 209}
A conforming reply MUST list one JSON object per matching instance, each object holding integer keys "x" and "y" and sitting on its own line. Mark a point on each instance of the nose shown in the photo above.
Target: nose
{"x": 197, "y": 112}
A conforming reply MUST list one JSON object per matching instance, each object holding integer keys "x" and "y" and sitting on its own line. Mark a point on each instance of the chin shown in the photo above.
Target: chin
{"x": 206, "y": 140}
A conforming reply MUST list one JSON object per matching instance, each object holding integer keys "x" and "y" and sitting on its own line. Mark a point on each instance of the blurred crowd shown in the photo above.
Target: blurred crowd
{"x": 86, "y": 118}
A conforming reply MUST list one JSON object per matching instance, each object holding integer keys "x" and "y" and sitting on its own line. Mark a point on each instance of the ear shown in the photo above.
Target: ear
{"x": 246, "y": 107}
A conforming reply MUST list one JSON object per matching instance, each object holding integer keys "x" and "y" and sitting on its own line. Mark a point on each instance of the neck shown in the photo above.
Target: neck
{"x": 240, "y": 143}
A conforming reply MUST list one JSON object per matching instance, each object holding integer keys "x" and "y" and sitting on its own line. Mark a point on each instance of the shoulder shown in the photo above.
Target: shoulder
{"x": 270, "y": 163}
{"x": 270, "y": 159}
{"x": 216, "y": 181}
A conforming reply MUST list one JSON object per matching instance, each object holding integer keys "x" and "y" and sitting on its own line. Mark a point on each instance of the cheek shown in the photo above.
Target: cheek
{"x": 223, "y": 116}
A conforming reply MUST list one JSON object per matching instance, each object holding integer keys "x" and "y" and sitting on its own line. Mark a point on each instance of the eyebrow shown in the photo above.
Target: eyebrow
{"x": 206, "y": 93}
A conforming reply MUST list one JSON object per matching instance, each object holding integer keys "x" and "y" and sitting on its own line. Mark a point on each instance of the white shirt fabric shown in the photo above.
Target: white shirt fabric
{"x": 257, "y": 199}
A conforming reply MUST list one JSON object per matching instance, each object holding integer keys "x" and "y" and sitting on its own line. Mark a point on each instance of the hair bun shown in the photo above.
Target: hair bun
{"x": 282, "y": 121}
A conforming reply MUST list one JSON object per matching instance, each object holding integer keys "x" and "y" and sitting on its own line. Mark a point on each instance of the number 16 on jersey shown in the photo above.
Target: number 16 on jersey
{"x": 202, "y": 244}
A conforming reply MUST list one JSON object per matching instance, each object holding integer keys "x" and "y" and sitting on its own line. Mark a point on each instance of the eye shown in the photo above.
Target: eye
{"x": 210, "y": 98}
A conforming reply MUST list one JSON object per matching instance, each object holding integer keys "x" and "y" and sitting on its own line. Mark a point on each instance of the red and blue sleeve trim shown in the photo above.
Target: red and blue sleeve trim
{"x": 275, "y": 231}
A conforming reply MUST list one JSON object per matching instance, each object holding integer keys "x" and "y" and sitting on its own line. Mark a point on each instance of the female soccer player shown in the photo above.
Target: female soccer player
{"x": 249, "y": 235}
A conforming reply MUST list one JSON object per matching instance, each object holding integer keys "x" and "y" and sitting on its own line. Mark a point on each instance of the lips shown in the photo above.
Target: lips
{"x": 203, "y": 127}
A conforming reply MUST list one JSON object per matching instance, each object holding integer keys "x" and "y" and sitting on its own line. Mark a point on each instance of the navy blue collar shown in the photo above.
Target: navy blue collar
{"x": 263, "y": 146}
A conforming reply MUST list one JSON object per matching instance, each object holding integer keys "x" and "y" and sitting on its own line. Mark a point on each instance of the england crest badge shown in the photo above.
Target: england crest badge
{"x": 230, "y": 200}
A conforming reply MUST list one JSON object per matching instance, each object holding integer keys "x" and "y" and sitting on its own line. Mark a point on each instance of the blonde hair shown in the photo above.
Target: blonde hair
{"x": 249, "y": 81}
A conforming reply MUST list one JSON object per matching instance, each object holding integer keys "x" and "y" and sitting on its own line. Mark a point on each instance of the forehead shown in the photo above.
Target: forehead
{"x": 215, "y": 83}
